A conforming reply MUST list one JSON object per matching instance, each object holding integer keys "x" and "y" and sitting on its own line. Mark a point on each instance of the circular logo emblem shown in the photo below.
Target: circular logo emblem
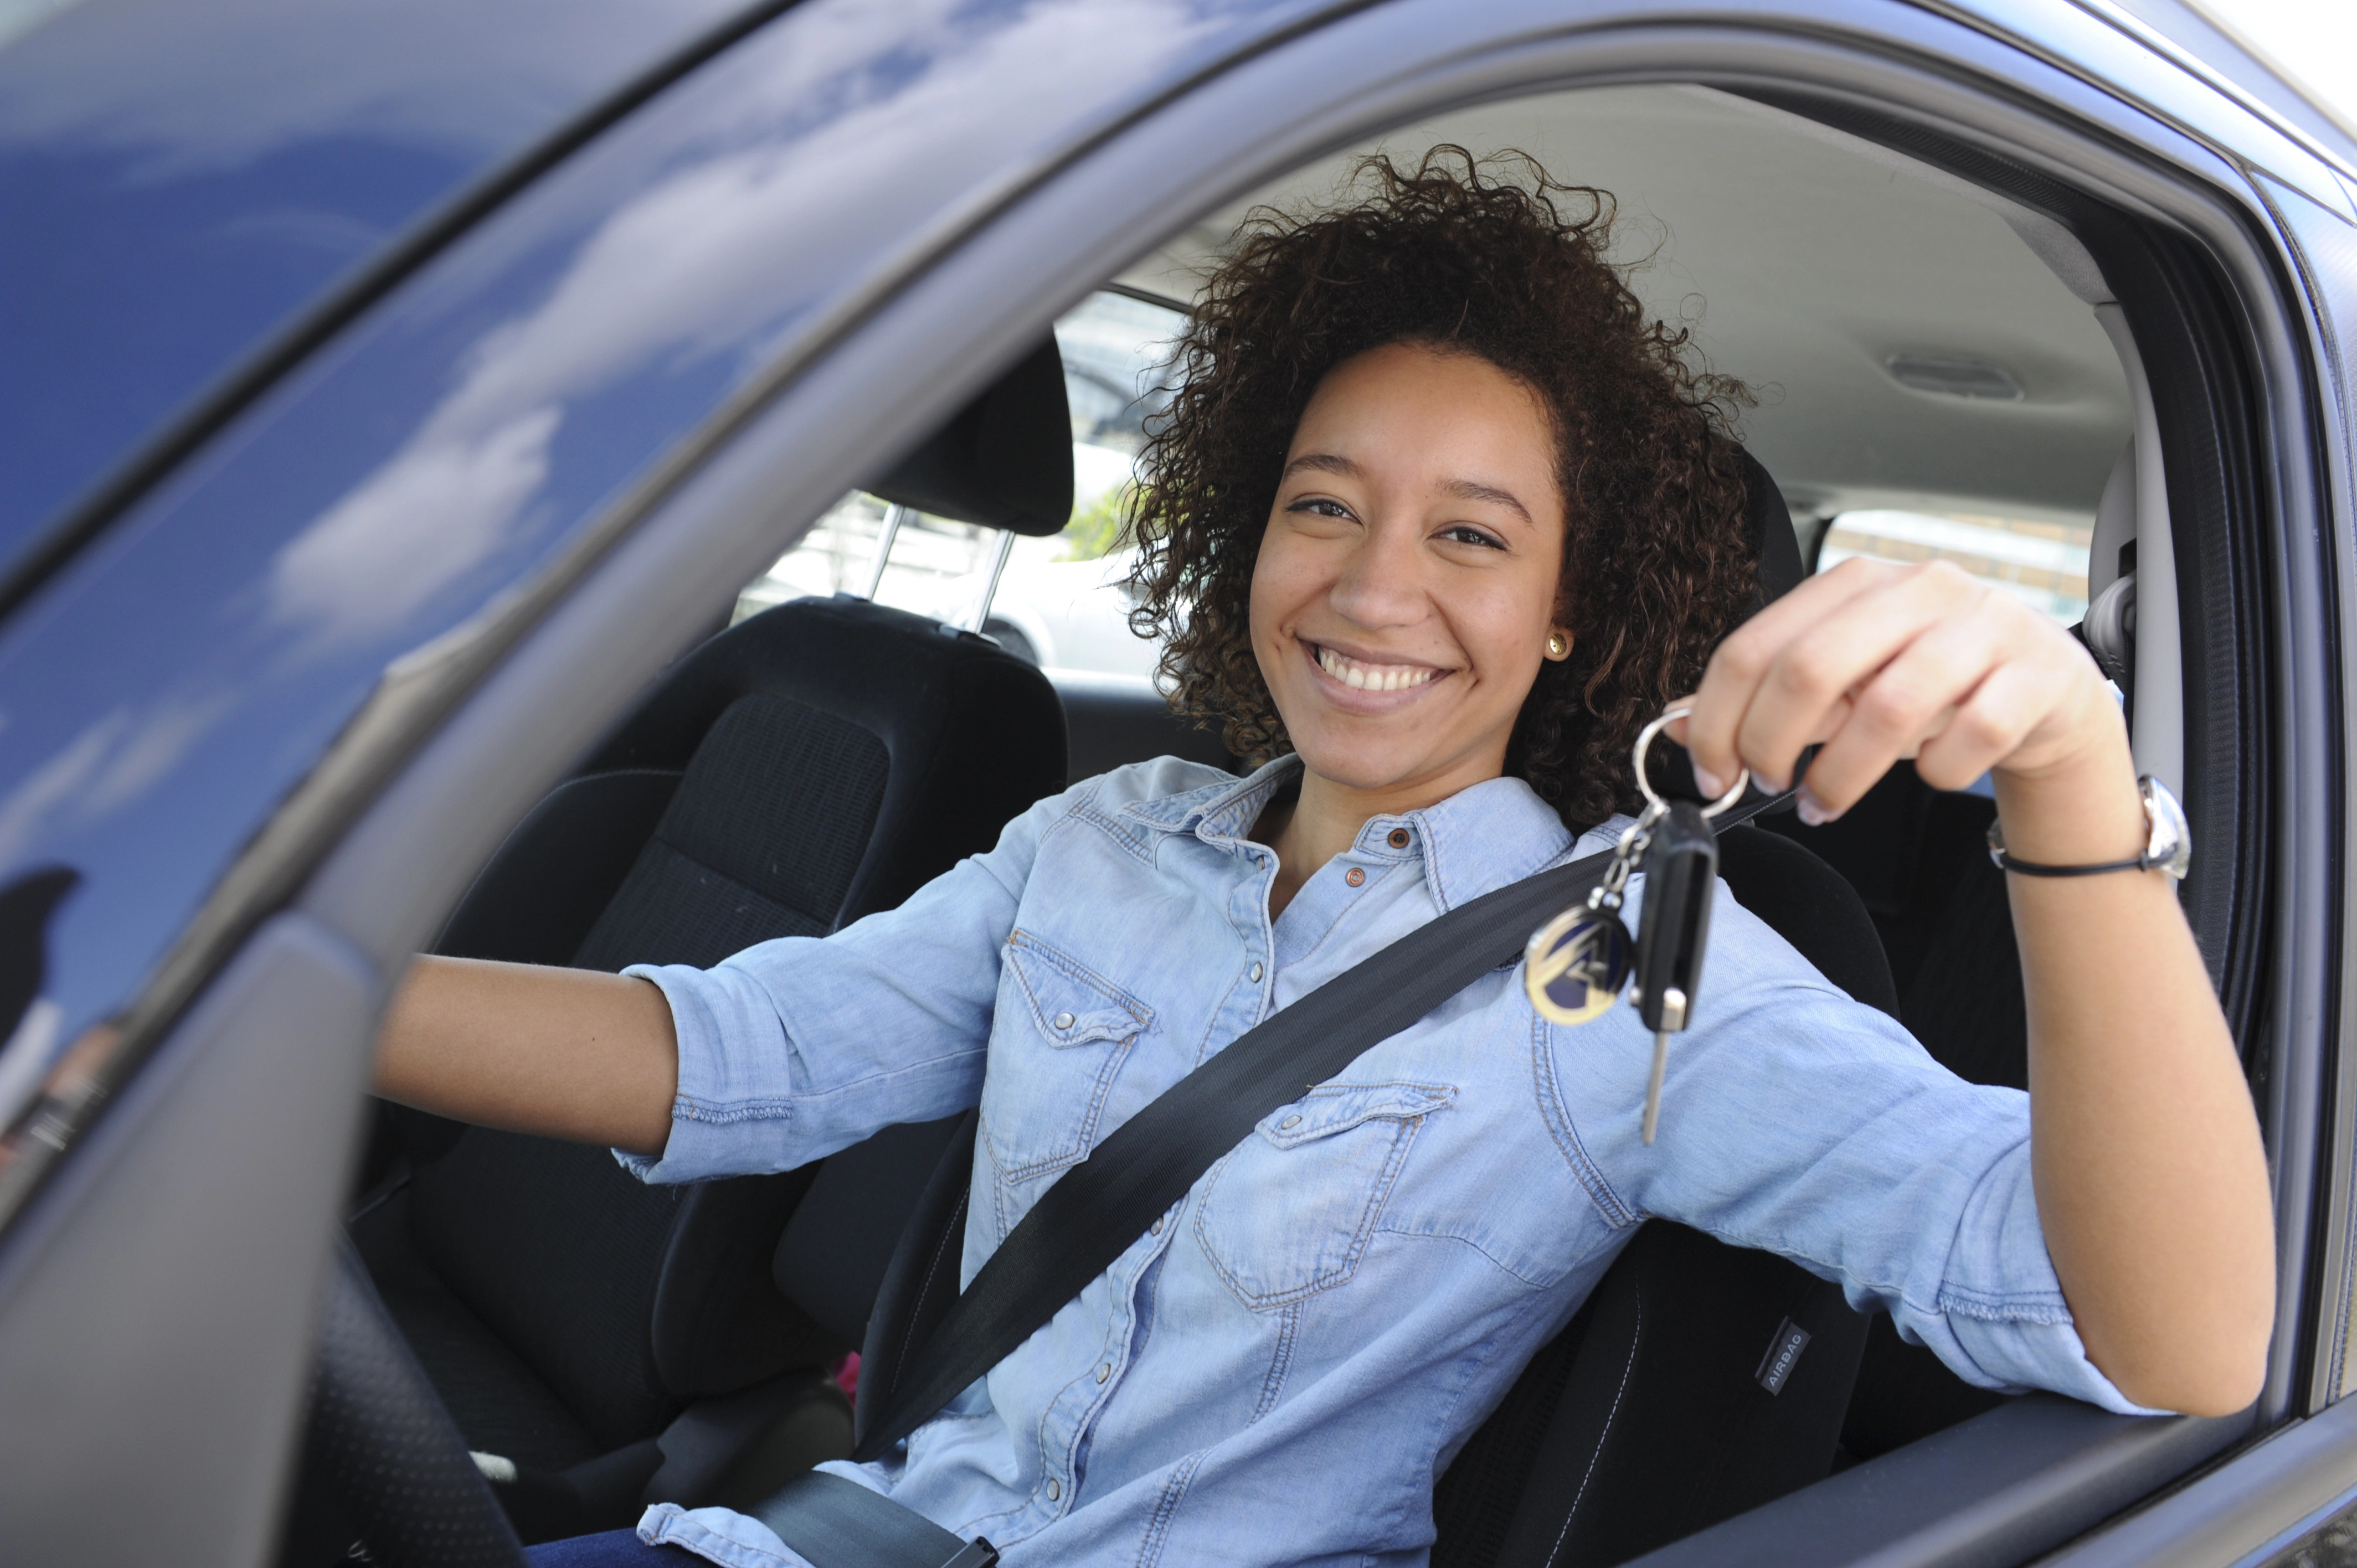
{"x": 1575, "y": 964}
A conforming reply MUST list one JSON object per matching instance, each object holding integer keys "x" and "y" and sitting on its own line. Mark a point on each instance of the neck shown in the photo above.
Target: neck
{"x": 1324, "y": 820}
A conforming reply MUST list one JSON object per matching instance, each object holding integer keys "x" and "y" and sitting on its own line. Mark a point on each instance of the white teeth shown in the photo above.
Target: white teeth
{"x": 1372, "y": 678}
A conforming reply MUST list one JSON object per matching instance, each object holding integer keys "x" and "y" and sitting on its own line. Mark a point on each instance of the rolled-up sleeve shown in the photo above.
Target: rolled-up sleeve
{"x": 796, "y": 1048}
{"x": 1800, "y": 1123}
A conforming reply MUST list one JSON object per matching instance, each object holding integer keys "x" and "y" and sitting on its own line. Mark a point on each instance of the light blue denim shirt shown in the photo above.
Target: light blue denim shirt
{"x": 1278, "y": 1371}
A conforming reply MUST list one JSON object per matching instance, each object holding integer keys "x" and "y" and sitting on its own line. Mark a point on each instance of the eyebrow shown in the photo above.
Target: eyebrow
{"x": 1474, "y": 490}
{"x": 1462, "y": 489}
{"x": 1321, "y": 463}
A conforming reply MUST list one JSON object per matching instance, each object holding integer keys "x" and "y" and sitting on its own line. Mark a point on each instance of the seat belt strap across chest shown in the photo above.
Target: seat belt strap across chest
{"x": 1145, "y": 1167}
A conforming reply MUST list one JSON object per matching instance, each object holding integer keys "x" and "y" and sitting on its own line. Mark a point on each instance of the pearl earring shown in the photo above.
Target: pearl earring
{"x": 1558, "y": 645}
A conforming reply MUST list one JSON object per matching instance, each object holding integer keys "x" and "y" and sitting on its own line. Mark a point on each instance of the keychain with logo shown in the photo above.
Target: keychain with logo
{"x": 1576, "y": 964}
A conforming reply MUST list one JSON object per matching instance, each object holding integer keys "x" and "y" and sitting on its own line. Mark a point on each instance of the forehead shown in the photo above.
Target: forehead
{"x": 1408, "y": 411}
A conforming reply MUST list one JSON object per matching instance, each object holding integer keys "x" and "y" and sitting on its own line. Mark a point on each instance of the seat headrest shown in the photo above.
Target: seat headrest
{"x": 1005, "y": 460}
{"x": 1773, "y": 543}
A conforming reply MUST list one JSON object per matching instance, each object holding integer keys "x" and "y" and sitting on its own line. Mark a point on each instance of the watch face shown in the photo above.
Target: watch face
{"x": 2171, "y": 847}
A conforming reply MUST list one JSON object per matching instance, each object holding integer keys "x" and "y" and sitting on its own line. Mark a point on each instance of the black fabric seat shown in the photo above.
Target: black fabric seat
{"x": 608, "y": 1340}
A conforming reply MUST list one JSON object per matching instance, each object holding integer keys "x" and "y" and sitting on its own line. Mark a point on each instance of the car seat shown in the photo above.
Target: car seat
{"x": 598, "y": 1340}
{"x": 1652, "y": 1414}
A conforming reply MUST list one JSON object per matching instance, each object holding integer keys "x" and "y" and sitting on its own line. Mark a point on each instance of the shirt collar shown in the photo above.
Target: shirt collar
{"x": 1483, "y": 838}
{"x": 1480, "y": 838}
{"x": 1225, "y": 810}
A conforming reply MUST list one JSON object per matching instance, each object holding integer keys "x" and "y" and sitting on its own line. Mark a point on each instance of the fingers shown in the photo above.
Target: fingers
{"x": 1780, "y": 684}
{"x": 1880, "y": 664}
{"x": 1745, "y": 659}
{"x": 1911, "y": 702}
{"x": 1988, "y": 726}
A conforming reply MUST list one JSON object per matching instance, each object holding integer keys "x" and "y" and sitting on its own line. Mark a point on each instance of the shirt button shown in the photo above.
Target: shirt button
{"x": 1055, "y": 1489}
{"x": 1288, "y": 1124}
{"x": 1356, "y": 877}
{"x": 1063, "y": 1020}
{"x": 1256, "y": 974}
{"x": 1157, "y": 1228}
{"x": 1104, "y": 1370}
{"x": 1398, "y": 838}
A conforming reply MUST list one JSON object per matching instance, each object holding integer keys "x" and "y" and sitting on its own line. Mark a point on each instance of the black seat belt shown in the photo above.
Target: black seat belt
{"x": 836, "y": 1523}
{"x": 1097, "y": 1209}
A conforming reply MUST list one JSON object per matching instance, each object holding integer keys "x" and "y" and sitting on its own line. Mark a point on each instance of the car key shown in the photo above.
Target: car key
{"x": 1575, "y": 963}
{"x": 1681, "y": 874}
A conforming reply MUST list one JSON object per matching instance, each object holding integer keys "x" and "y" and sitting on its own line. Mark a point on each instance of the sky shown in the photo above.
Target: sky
{"x": 2314, "y": 42}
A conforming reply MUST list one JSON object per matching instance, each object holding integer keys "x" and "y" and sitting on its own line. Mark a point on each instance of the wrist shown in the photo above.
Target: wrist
{"x": 2083, "y": 811}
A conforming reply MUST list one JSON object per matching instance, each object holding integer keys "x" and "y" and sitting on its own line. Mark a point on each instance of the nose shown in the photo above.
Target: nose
{"x": 1381, "y": 586}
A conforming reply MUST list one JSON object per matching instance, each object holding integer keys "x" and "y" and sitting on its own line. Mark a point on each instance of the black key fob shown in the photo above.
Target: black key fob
{"x": 1680, "y": 873}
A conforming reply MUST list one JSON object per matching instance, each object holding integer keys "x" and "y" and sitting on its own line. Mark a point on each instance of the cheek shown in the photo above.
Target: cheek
{"x": 1507, "y": 625}
{"x": 1281, "y": 578}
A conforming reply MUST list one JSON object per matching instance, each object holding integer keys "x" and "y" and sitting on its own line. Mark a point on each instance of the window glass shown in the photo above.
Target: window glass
{"x": 1062, "y": 601}
{"x": 2044, "y": 564}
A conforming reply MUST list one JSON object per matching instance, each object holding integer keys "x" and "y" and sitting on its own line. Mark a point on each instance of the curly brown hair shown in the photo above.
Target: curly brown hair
{"x": 1490, "y": 257}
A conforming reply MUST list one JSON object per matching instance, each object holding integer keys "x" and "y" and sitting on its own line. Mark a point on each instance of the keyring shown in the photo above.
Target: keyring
{"x": 1654, "y": 802}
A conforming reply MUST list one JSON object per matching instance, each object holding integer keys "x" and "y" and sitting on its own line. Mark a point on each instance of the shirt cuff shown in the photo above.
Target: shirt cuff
{"x": 708, "y": 1111}
{"x": 718, "y": 1535}
{"x": 2017, "y": 1354}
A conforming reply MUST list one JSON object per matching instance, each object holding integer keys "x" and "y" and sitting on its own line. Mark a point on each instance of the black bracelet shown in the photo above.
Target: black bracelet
{"x": 2170, "y": 851}
{"x": 2031, "y": 867}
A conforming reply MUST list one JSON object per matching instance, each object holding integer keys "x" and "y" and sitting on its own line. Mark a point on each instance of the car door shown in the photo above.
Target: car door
{"x": 284, "y": 698}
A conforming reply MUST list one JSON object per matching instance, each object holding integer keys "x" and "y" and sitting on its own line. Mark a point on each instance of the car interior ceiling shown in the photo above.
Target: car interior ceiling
{"x": 615, "y": 1343}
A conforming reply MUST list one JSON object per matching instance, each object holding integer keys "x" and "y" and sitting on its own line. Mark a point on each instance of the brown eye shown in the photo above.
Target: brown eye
{"x": 1465, "y": 533}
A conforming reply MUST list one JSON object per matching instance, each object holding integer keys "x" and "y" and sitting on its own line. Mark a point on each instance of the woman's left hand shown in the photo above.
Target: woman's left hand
{"x": 1881, "y": 661}
{"x": 2150, "y": 1177}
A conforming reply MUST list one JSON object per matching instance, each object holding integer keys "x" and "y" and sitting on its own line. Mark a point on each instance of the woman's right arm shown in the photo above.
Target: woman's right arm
{"x": 776, "y": 1055}
{"x": 565, "y": 1052}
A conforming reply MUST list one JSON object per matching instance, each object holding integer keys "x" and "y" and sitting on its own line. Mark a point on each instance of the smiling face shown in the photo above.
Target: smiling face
{"x": 1405, "y": 587}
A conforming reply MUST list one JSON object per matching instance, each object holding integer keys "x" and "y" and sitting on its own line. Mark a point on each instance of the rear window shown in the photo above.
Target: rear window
{"x": 1062, "y": 602}
{"x": 2044, "y": 564}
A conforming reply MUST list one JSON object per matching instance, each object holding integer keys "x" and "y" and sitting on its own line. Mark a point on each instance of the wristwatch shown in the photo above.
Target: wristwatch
{"x": 2169, "y": 849}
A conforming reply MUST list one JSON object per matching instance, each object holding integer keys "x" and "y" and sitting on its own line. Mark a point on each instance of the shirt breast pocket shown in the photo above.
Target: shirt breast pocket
{"x": 1061, "y": 1035}
{"x": 1288, "y": 1211}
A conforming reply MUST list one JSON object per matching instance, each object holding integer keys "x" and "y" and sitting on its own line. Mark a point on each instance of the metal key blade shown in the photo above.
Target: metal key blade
{"x": 1654, "y": 1089}
{"x": 1674, "y": 1006}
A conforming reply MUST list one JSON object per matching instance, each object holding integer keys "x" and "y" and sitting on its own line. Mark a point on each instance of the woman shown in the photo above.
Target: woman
{"x": 1436, "y": 522}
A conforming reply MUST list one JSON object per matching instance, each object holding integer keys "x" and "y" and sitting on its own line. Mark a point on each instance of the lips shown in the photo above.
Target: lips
{"x": 1364, "y": 675}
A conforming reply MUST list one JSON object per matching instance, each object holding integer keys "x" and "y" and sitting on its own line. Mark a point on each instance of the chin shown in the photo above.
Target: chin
{"x": 1361, "y": 768}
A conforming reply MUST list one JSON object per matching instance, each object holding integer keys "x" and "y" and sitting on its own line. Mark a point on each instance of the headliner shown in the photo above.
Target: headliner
{"x": 1804, "y": 259}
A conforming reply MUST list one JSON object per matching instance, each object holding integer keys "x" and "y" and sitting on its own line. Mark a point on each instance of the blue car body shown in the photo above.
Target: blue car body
{"x": 359, "y": 362}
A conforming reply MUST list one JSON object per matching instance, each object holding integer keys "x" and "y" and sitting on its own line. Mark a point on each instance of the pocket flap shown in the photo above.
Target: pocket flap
{"x": 1070, "y": 1005}
{"x": 1332, "y": 1108}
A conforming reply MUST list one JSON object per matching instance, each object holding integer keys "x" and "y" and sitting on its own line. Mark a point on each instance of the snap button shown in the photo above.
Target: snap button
{"x": 1288, "y": 1124}
{"x": 1256, "y": 974}
{"x": 1055, "y": 1489}
{"x": 1104, "y": 1370}
{"x": 1356, "y": 877}
{"x": 1399, "y": 838}
{"x": 1063, "y": 1020}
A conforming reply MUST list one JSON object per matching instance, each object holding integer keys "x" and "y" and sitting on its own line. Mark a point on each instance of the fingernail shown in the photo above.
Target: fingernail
{"x": 1813, "y": 810}
{"x": 1709, "y": 783}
